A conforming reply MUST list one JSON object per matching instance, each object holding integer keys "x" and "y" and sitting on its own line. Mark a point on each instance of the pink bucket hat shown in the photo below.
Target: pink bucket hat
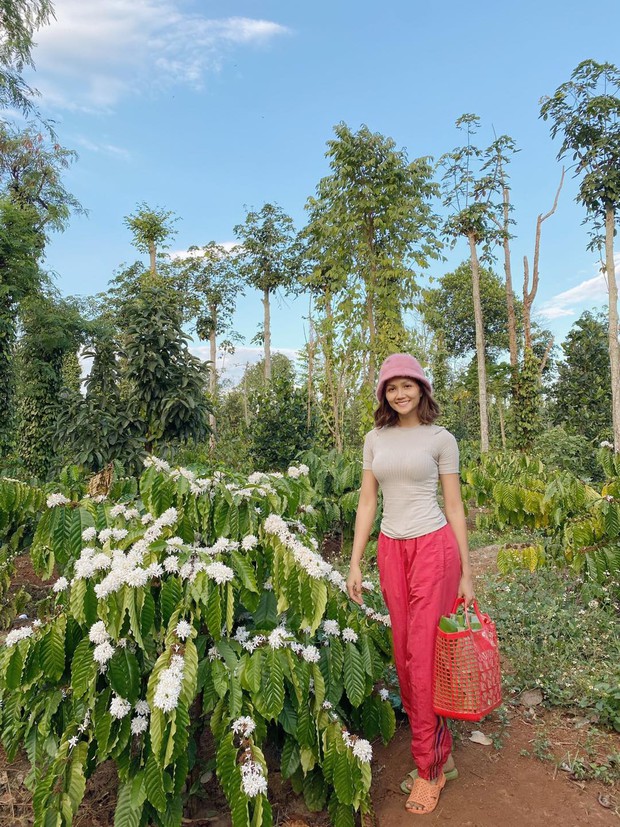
{"x": 401, "y": 364}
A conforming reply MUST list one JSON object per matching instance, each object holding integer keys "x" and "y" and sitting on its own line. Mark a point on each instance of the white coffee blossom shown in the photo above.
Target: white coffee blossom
{"x": 368, "y": 585}
{"x": 119, "y": 707}
{"x": 89, "y": 534}
{"x": 118, "y": 510}
{"x": 146, "y": 519}
{"x": 362, "y": 749}
{"x": 98, "y": 633}
{"x": 132, "y": 514}
{"x": 170, "y": 685}
{"x": 142, "y": 708}
{"x": 219, "y": 572}
{"x": 243, "y": 726}
{"x": 252, "y": 779}
{"x": 175, "y": 541}
{"x": 249, "y": 542}
{"x": 606, "y": 444}
{"x": 105, "y": 535}
{"x": 168, "y": 518}
{"x": 311, "y": 654}
{"x": 103, "y": 652}
{"x": 186, "y": 570}
{"x": 327, "y": 705}
{"x": 119, "y": 533}
{"x": 384, "y": 694}
{"x": 73, "y": 741}
{"x": 171, "y": 563}
{"x": 18, "y": 634}
{"x": 183, "y": 629}
{"x": 56, "y": 499}
{"x": 278, "y": 638}
{"x": 349, "y": 635}
{"x": 100, "y": 562}
{"x": 241, "y": 634}
{"x": 136, "y": 577}
{"x": 155, "y": 570}
{"x": 293, "y": 472}
{"x": 139, "y": 724}
{"x": 331, "y": 628}
{"x": 60, "y": 585}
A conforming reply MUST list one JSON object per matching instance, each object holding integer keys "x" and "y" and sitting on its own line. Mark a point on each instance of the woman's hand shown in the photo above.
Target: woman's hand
{"x": 466, "y": 588}
{"x": 354, "y": 584}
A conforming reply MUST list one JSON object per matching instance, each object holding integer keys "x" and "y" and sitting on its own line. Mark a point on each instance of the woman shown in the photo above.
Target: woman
{"x": 422, "y": 553}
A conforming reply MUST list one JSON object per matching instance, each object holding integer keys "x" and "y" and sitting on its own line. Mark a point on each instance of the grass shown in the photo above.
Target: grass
{"x": 560, "y": 635}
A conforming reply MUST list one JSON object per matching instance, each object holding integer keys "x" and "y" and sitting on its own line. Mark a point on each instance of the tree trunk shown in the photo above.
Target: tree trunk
{"x": 212, "y": 374}
{"x": 502, "y": 423}
{"x": 480, "y": 348}
{"x": 153, "y": 257}
{"x": 267, "y": 335}
{"x": 311, "y": 345}
{"x": 510, "y": 296}
{"x": 614, "y": 346}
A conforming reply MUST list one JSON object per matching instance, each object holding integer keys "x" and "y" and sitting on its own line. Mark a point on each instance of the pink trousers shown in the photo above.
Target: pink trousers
{"x": 419, "y": 580}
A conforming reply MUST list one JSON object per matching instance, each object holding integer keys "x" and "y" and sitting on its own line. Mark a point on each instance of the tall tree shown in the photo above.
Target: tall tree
{"x": 52, "y": 328}
{"x": 585, "y": 111}
{"x": 211, "y": 278}
{"x": 152, "y": 229}
{"x": 448, "y": 309}
{"x": 166, "y": 383}
{"x": 19, "y": 20}
{"x": 268, "y": 260}
{"x": 370, "y": 226}
{"x": 33, "y": 202}
{"x": 471, "y": 187}
{"x": 582, "y": 392}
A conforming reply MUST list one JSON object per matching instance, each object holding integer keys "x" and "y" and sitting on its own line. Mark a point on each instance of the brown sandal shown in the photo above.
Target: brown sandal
{"x": 424, "y": 795}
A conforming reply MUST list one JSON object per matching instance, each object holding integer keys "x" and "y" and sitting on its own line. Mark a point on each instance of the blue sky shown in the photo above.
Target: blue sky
{"x": 206, "y": 107}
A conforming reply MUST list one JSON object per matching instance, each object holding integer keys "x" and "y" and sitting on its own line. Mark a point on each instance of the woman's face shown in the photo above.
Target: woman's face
{"x": 403, "y": 395}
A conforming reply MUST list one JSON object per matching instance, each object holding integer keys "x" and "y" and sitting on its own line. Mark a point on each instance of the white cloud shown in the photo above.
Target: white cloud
{"x": 588, "y": 293}
{"x": 97, "y": 53}
{"x": 103, "y": 148}
{"x": 231, "y": 366}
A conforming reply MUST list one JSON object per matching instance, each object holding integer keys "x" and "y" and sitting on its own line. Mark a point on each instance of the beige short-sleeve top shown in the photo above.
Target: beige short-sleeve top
{"x": 407, "y": 463}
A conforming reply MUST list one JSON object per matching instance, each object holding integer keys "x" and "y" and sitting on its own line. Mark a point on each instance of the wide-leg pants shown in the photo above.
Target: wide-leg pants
{"x": 419, "y": 580}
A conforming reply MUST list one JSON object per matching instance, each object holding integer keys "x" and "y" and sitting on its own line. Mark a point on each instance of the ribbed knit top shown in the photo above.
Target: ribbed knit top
{"x": 407, "y": 463}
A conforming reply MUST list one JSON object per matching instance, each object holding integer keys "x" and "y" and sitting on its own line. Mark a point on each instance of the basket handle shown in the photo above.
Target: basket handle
{"x": 461, "y": 600}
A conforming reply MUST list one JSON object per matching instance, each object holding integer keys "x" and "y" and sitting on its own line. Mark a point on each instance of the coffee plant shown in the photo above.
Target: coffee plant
{"x": 199, "y": 602}
{"x": 579, "y": 524}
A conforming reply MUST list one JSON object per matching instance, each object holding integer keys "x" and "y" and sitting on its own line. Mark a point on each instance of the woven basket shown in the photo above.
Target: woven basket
{"x": 466, "y": 676}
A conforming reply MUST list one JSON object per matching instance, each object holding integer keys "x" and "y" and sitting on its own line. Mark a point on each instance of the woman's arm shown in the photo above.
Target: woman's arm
{"x": 455, "y": 515}
{"x": 365, "y": 517}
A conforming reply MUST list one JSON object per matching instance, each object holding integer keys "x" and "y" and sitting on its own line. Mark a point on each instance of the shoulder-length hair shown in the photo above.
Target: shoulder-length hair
{"x": 428, "y": 410}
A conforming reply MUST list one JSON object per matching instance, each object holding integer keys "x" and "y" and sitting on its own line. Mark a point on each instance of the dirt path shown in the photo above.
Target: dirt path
{"x": 497, "y": 788}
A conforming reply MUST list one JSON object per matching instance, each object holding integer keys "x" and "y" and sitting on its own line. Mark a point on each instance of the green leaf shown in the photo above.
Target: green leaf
{"x": 343, "y": 778}
{"x": 290, "y": 757}
{"x": 354, "y": 675}
{"x": 315, "y": 791}
{"x": 170, "y": 598}
{"x": 154, "y": 783}
{"x": 244, "y": 570}
{"x": 387, "y": 721}
{"x": 214, "y": 612}
{"x": 124, "y": 673}
{"x": 53, "y": 650}
{"x": 270, "y": 699}
{"x": 125, "y": 814}
{"x": 147, "y": 614}
{"x": 83, "y": 668}
{"x": 14, "y": 669}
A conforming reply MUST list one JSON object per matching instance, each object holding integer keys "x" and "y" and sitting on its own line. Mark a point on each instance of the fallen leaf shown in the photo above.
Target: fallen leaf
{"x": 565, "y": 767}
{"x": 480, "y": 738}
{"x": 531, "y": 697}
{"x": 605, "y": 801}
{"x": 4, "y": 779}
